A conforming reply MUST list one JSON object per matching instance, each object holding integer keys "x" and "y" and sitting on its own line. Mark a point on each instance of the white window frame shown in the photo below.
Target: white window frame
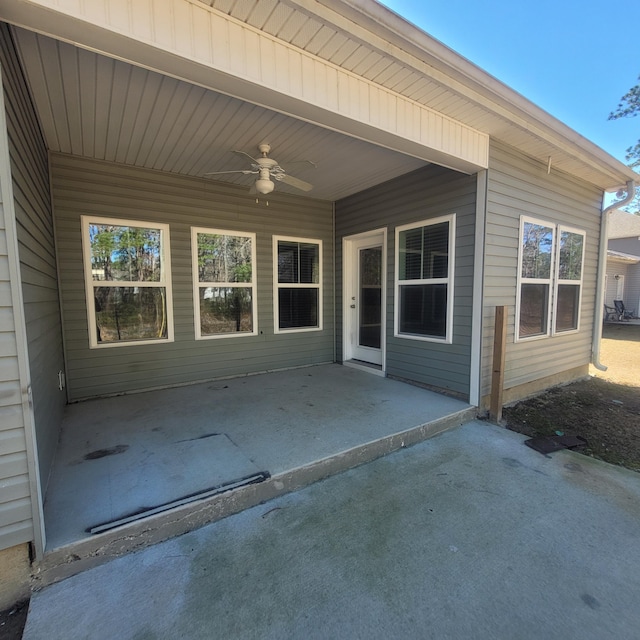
{"x": 558, "y": 281}
{"x": 197, "y": 285}
{"x": 553, "y": 281}
{"x": 449, "y": 280}
{"x": 90, "y": 283}
{"x": 295, "y": 285}
{"x": 548, "y": 281}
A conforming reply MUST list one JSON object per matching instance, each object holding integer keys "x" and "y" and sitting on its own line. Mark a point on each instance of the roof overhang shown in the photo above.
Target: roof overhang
{"x": 622, "y": 258}
{"x": 509, "y": 116}
{"x": 347, "y": 66}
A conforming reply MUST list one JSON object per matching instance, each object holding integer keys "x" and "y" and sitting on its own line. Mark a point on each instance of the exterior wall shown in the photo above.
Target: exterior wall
{"x": 15, "y": 503}
{"x": 633, "y": 289}
{"x": 22, "y": 167}
{"x": 630, "y": 246}
{"x": 611, "y": 289}
{"x": 106, "y": 189}
{"x": 30, "y": 173}
{"x": 420, "y": 195}
{"x": 519, "y": 185}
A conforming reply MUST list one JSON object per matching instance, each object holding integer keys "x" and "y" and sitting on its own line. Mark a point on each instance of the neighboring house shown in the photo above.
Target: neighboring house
{"x": 468, "y": 196}
{"x": 623, "y": 261}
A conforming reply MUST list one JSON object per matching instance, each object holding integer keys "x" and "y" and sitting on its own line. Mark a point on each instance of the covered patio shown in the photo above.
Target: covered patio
{"x": 195, "y": 445}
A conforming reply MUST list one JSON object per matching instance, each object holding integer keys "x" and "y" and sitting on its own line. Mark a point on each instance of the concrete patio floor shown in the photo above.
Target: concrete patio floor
{"x": 118, "y": 456}
{"x": 470, "y": 534}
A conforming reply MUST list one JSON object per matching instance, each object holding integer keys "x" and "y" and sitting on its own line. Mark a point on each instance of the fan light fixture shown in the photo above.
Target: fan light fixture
{"x": 264, "y": 185}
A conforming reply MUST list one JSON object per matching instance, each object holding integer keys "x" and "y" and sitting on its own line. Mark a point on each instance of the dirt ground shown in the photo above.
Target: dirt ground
{"x": 604, "y": 410}
{"x": 12, "y": 621}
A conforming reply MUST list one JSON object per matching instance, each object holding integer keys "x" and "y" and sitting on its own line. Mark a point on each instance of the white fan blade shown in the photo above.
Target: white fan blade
{"x": 246, "y": 172}
{"x": 294, "y": 182}
{"x": 242, "y": 153}
{"x": 313, "y": 164}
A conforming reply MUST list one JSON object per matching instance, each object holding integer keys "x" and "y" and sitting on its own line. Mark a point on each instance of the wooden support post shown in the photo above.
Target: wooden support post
{"x": 499, "y": 352}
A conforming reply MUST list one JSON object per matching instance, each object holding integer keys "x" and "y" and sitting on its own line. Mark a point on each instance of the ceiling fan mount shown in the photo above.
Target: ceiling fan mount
{"x": 267, "y": 169}
{"x": 264, "y": 149}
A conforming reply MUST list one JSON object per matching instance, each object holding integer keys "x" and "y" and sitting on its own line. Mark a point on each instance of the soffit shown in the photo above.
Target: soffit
{"x": 368, "y": 41}
{"x": 97, "y": 107}
{"x": 341, "y": 31}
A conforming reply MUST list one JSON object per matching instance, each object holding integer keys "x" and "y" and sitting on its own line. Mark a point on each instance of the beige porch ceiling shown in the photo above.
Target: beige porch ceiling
{"x": 94, "y": 106}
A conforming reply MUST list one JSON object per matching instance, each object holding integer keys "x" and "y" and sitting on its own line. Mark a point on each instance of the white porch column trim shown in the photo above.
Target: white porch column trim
{"x": 191, "y": 41}
{"x": 475, "y": 383}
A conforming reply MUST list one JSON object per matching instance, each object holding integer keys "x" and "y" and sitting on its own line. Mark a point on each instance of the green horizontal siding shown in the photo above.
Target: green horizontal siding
{"x": 420, "y": 195}
{"x": 36, "y": 249}
{"x": 30, "y": 173}
{"x": 104, "y": 189}
{"x": 518, "y": 185}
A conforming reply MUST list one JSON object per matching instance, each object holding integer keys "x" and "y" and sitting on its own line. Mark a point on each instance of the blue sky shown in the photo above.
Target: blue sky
{"x": 573, "y": 59}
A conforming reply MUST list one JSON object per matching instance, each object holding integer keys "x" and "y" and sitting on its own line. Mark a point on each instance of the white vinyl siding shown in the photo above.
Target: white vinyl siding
{"x": 425, "y": 261}
{"x": 233, "y": 280}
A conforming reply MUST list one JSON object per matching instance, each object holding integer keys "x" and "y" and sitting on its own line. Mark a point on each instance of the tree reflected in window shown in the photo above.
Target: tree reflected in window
{"x": 127, "y": 281}
{"x": 224, "y": 289}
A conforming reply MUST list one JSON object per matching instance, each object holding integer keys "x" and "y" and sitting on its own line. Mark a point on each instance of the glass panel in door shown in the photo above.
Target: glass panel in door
{"x": 370, "y": 295}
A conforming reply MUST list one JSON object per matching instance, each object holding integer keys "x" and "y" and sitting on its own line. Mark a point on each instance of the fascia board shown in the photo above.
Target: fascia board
{"x": 391, "y": 34}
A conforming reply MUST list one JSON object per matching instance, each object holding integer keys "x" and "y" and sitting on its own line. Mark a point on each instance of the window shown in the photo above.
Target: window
{"x": 536, "y": 263}
{"x": 568, "y": 279}
{"x": 297, "y": 278}
{"x": 549, "y": 279}
{"x": 223, "y": 283}
{"x": 424, "y": 279}
{"x": 127, "y": 282}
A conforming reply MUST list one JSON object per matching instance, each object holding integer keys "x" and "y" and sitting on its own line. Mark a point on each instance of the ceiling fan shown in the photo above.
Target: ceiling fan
{"x": 267, "y": 169}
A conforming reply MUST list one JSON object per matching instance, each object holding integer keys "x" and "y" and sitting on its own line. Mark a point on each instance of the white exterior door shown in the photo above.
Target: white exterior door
{"x": 365, "y": 297}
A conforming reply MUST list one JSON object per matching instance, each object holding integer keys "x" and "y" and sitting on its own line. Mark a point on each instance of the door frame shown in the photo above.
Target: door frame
{"x": 349, "y": 289}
